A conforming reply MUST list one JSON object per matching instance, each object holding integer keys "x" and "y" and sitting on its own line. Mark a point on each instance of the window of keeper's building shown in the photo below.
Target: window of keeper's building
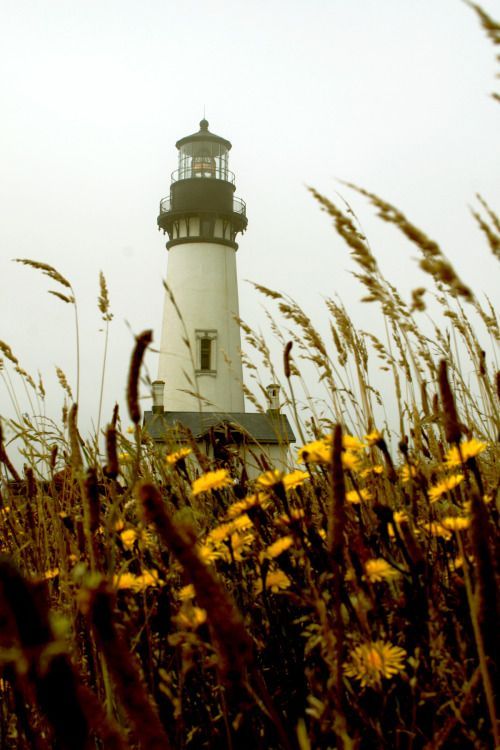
{"x": 206, "y": 351}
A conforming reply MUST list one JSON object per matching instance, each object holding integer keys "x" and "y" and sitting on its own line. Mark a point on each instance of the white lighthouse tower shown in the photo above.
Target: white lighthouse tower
{"x": 200, "y": 342}
{"x": 199, "y": 391}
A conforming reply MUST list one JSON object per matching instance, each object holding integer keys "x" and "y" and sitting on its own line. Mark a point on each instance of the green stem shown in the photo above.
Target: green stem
{"x": 478, "y": 636}
{"x": 77, "y": 327}
{"x": 102, "y": 383}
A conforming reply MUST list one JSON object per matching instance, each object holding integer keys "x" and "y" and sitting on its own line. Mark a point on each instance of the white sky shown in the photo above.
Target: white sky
{"x": 390, "y": 94}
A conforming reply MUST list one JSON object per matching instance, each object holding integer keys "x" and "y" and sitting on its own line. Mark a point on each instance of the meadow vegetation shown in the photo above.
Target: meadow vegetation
{"x": 153, "y": 598}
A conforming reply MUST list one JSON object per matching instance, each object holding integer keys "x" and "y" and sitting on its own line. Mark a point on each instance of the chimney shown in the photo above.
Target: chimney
{"x": 158, "y": 389}
{"x": 273, "y": 396}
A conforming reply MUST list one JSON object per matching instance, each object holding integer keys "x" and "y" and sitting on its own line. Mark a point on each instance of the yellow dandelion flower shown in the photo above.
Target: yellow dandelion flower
{"x": 186, "y": 593}
{"x": 372, "y": 661}
{"x": 224, "y": 530}
{"x": 173, "y": 458}
{"x": 458, "y": 562}
{"x": 241, "y": 506}
{"x": 297, "y": 514}
{"x": 212, "y": 480}
{"x": 351, "y": 443}
{"x": 270, "y": 478}
{"x": 468, "y": 449}
{"x": 128, "y": 538}
{"x": 444, "y": 486}
{"x": 145, "y": 580}
{"x": 276, "y": 580}
{"x": 190, "y": 618}
{"x": 221, "y": 532}
{"x": 131, "y": 430}
{"x": 373, "y": 437}
{"x": 455, "y": 523}
{"x": 437, "y": 529}
{"x": 319, "y": 451}
{"x": 468, "y": 505}
{"x": 356, "y": 496}
{"x": 148, "y": 578}
{"x": 378, "y": 569}
{"x": 295, "y": 478}
{"x": 251, "y": 501}
{"x": 278, "y": 547}
{"x": 124, "y": 457}
{"x": 350, "y": 461}
{"x": 208, "y": 554}
{"x": 375, "y": 469}
{"x": 242, "y": 522}
{"x": 49, "y": 575}
{"x": 399, "y": 517}
{"x": 407, "y": 473}
{"x": 240, "y": 544}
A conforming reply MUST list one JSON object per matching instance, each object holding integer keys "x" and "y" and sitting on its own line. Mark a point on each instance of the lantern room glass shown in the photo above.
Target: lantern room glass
{"x": 203, "y": 159}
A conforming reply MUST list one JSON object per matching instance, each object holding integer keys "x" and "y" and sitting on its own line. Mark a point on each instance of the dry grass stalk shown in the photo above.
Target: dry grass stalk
{"x": 42, "y": 664}
{"x": 148, "y": 731}
{"x": 49, "y": 271}
{"x": 103, "y": 299}
{"x": 230, "y": 637}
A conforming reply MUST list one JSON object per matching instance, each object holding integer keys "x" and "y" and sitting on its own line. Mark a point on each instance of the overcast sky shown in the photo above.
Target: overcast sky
{"x": 390, "y": 94}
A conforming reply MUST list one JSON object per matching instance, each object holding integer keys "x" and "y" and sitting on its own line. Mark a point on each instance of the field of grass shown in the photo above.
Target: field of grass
{"x": 156, "y": 599}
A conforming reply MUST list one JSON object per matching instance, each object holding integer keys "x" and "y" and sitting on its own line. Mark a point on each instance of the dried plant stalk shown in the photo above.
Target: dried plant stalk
{"x": 141, "y": 344}
{"x": 451, "y": 423}
{"x": 125, "y": 671}
{"x": 233, "y": 643}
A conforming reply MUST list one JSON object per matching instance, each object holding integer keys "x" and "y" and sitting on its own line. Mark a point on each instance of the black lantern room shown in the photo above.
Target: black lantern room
{"x": 202, "y": 206}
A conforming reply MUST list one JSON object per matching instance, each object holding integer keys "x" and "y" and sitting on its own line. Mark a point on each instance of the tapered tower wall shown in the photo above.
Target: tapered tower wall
{"x": 202, "y": 277}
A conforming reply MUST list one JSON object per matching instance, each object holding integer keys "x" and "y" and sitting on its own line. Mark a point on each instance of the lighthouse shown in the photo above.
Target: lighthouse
{"x": 200, "y": 360}
{"x": 199, "y": 391}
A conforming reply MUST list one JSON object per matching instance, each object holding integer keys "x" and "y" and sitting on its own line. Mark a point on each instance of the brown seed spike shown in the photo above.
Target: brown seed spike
{"x": 450, "y": 418}
{"x": 112, "y": 468}
{"x": 142, "y": 342}
{"x": 286, "y": 359}
{"x": 74, "y": 438}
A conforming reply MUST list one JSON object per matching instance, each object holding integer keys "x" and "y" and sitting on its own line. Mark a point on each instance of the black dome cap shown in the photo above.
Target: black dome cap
{"x": 203, "y": 134}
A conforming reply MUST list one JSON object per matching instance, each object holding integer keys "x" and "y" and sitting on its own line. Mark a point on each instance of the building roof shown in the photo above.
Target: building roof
{"x": 261, "y": 428}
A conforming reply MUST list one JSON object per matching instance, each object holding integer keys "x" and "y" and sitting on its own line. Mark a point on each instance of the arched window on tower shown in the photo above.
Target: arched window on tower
{"x": 205, "y": 352}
